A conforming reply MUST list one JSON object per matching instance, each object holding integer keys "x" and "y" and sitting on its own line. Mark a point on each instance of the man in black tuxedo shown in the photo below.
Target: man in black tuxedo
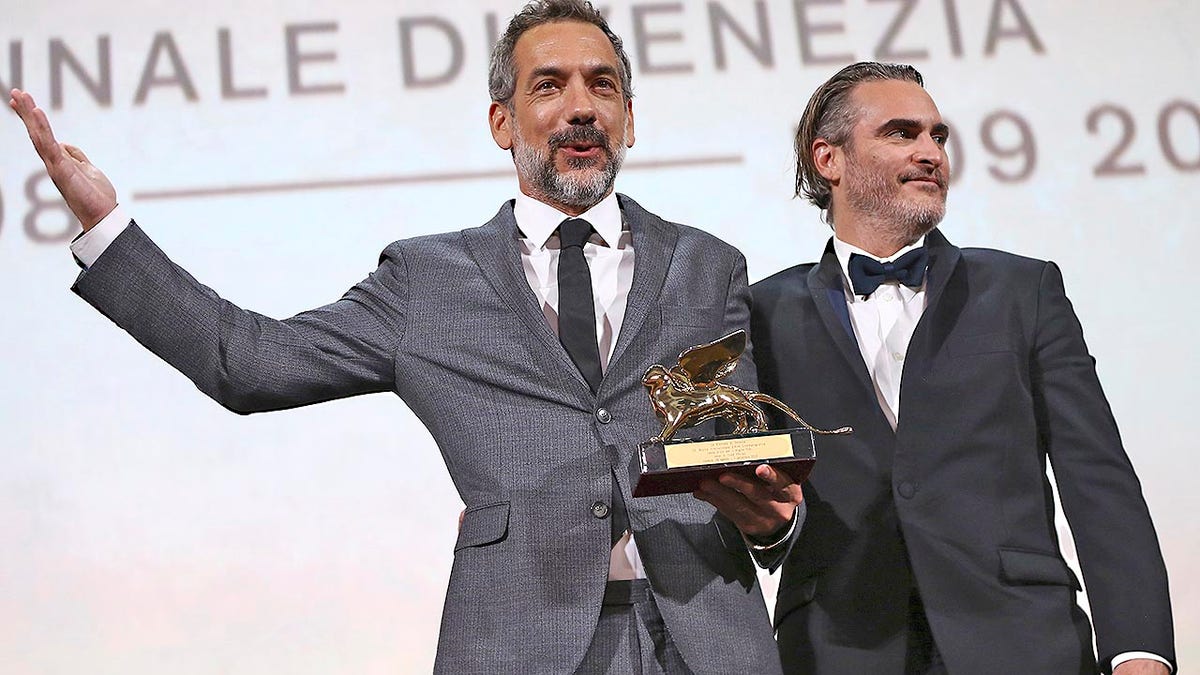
{"x": 930, "y": 544}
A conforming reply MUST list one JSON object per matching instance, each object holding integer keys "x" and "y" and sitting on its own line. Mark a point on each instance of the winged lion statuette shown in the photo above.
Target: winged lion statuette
{"x": 690, "y": 392}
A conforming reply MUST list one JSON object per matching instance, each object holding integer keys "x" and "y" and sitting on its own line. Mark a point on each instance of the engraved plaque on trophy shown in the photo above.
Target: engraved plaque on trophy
{"x": 691, "y": 393}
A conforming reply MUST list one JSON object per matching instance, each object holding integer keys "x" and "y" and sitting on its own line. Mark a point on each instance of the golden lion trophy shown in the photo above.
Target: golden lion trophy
{"x": 691, "y": 393}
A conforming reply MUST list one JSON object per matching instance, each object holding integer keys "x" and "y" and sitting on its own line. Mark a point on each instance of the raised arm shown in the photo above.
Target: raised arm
{"x": 245, "y": 361}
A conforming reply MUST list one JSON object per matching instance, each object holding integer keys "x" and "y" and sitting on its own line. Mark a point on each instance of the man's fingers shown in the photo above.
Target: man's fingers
{"x": 21, "y": 101}
{"x": 38, "y": 126}
{"x": 783, "y": 486}
{"x": 76, "y": 153}
{"x": 42, "y": 136}
{"x": 773, "y": 477}
{"x": 751, "y": 517}
{"x": 754, "y": 500}
{"x": 726, "y": 499}
{"x": 742, "y": 484}
{"x": 768, "y": 484}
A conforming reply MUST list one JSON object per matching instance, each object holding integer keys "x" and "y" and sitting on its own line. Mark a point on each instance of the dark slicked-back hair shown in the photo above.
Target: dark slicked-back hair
{"x": 830, "y": 115}
{"x": 502, "y": 71}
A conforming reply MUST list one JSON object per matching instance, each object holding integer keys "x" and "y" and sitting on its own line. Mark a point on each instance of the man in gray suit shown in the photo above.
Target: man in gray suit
{"x": 531, "y": 388}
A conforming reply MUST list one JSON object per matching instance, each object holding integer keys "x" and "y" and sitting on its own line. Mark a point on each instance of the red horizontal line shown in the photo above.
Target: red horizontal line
{"x": 376, "y": 181}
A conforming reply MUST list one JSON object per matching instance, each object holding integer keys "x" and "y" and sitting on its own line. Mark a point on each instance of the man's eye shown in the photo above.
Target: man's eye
{"x": 941, "y": 139}
{"x": 900, "y": 133}
{"x": 544, "y": 85}
{"x": 605, "y": 84}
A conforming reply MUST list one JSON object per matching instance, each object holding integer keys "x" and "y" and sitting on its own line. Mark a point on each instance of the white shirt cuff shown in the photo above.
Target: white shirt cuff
{"x": 88, "y": 246}
{"x": 1129, "y": 656}
{"x": 764, "y": 548}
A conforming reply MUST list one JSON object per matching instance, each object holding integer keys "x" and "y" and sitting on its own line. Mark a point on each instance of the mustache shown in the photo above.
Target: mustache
{"x": 933, "y": 175}
{"x": 578, "y": 135}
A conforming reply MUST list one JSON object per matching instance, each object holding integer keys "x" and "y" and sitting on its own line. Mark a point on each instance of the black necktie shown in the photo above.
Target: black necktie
{"x": 577, "y": 328}
{"x": 576, "y": 308}
{"x": 866, "y": 273}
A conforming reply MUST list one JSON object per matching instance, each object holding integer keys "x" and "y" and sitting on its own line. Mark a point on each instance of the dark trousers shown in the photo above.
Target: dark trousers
{"x": 631, "y": 637}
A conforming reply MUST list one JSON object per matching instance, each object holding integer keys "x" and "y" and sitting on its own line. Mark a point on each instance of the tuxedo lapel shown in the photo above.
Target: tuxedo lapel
{"x": 943, "y": 259}
{"x": 825, "y": 284}
{"x": 945, "y": 295}
{"x": 653, "y": 245}
{"x": 495, "y": 250}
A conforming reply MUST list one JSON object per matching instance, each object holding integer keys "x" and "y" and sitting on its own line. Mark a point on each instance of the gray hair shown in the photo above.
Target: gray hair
{"x": 829, "y": 116}
{"x": 502, "y": 70}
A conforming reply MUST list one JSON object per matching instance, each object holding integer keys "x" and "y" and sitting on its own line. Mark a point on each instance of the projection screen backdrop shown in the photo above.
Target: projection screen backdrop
{"x": 274, "y": 148}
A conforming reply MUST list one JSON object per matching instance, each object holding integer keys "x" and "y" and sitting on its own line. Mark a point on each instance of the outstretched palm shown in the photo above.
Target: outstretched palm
{"x": 88, "y": 193}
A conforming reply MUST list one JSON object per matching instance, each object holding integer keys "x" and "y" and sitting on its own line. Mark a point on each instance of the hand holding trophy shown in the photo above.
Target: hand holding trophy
{"x": 691, "y": 393}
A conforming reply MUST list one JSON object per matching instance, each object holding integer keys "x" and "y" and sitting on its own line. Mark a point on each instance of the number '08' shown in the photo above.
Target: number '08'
{"x": 48, "y": 220}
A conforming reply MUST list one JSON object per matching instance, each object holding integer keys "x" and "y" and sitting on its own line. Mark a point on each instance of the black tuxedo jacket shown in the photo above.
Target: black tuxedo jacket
{"x": 955, "y": 502}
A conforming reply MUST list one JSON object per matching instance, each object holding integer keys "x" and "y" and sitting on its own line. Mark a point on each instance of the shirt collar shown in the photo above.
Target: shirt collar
{"x": 843, "y": 251}
{"x": 538, "y": 220}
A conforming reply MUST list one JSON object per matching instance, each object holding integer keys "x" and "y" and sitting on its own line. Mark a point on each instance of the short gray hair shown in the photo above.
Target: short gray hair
{"x": 502, "y": 71}
{"x": 829, "y": 116}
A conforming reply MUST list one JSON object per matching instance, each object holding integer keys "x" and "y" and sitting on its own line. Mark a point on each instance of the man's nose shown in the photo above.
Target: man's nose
{"x": 928, "y": 151}
{"x": 581, "y": 108}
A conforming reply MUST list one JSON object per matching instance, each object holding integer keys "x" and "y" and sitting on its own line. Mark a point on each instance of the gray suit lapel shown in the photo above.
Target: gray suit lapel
{"x": 495, "y": 250}
{"x": 653, "y": 245}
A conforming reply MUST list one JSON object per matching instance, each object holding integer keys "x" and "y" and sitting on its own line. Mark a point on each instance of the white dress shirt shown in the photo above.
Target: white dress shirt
{"x": 88, "y": 246}
{"x": 609, "y": 255}
{"x": 883, "y": 323}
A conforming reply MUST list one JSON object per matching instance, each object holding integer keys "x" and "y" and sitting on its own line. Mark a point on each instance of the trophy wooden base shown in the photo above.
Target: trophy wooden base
{"x": 679, "y": 466}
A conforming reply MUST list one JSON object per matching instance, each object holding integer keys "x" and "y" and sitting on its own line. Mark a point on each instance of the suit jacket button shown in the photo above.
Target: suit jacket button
{"x": 603, "y": 415}
{"x": 907, "y": 490}
{"x": 600, "y": 509}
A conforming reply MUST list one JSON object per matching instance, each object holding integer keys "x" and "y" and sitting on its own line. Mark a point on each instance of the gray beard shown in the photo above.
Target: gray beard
{"x": 573, "y": 189}
{"x": 895, "y": 220}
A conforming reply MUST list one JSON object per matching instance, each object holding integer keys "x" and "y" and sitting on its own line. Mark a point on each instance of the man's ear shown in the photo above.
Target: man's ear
{"x": 828, "y": 159}
{"x": 629, "y": 123}
{"x": 500, "y": 121}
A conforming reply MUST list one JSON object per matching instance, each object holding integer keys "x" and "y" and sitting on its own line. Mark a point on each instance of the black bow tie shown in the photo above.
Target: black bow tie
{"x": 866, "y": 273}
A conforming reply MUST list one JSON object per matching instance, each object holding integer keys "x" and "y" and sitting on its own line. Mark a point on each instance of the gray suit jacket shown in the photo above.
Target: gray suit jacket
{"x": 448, "y": 322}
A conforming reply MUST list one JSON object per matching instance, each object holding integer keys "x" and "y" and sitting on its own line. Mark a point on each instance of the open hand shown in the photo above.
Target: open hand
{"x": 759, "y": 506}
{"x": 88, "y": 193}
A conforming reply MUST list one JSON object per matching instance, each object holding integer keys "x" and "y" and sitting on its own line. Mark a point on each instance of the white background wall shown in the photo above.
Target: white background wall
{"x": 143, "y": 529}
